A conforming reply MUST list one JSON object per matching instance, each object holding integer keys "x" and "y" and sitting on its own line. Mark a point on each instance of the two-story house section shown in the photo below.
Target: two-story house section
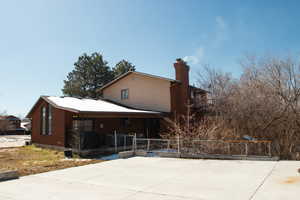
{"x": 150, "y": 92}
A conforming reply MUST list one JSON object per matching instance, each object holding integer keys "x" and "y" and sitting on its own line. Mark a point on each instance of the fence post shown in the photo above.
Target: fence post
{"x": 270, "y": 153}
{"x": 148, "y": 145}
{"x": 124, "y": 142}
{"x": 168, "y": 147}
{"x": 193, "y": 146}
{"x": 246, "y": 146}
{"x": 116, "y": 144}
{"x": 178, "y": 144}
{"x": 229, "y": 150}
{"x": 79, "y": 146}
{"x": 135, "y": 145}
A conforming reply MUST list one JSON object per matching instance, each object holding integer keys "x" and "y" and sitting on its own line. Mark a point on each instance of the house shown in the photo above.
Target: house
{"x": 26, "y": 125}
{"x": 10, "y": 124}
{"x": 135, "y": 102}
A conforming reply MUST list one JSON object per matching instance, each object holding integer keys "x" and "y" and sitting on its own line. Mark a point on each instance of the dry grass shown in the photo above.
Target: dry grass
{"x": 32, "y": 160}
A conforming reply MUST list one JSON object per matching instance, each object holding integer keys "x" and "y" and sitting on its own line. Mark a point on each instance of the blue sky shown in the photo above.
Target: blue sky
{"x": 41, "y": 40}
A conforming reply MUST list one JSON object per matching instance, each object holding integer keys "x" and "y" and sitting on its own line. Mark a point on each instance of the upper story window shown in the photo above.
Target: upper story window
{"x": 124, "y": 94}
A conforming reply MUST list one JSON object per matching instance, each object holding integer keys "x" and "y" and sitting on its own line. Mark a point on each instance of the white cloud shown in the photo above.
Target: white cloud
{"x": 221, "y": 24}
{"x": 221, "y": 31}
{"x": 216, "y": 39}
{"x": 196, "y": 57}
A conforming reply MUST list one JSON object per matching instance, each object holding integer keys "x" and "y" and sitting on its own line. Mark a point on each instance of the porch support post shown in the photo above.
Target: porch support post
{"x": 148, "y": 145}
{"x": 133, "y": 142}
{"x": 79, "y": 146}
{"x": 124, "y": 142}
{"x": 116, "y": 144}
{"x": 135, "y": 145}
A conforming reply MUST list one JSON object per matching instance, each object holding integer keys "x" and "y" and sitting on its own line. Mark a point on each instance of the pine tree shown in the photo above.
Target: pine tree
{"x": 90, "y": 73}
{"x": 122, "y": 67}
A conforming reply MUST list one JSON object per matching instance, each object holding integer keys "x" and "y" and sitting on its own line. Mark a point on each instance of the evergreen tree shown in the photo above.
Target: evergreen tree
{"x": 122, "y": 67}
{"x": 90, "y": 73}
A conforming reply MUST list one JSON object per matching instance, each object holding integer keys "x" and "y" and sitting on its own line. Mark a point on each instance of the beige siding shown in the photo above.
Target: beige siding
{"x": 144, "y": 92}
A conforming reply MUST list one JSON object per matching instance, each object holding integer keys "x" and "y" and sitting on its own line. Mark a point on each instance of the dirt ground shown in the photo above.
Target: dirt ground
{"x": 32, "y": 160}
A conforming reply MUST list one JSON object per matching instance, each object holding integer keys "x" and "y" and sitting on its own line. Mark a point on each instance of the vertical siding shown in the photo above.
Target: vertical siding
{"x": 58, "y": 126}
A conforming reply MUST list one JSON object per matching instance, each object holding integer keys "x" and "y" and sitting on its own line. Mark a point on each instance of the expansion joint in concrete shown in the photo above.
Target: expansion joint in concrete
{"x": 263, "y": 181}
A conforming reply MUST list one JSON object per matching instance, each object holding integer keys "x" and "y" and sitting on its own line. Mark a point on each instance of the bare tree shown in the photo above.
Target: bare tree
{"x": 264, "y": 103}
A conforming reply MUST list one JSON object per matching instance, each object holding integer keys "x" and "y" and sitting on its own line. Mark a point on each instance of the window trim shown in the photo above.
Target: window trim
{"x": 81, "y": 126}
{"x": 49, "y": 120}
{"x": 124, "y": 94}
{"x": 125, "y": 122}
{"x": 46, "y": 120}
{"x": 43, "y": 120}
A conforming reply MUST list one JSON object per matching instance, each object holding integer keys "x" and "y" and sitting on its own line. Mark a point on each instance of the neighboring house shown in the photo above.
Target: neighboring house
{"x": 26, "y": 125}
{"x": 133, "y": 103}
{"x": 10, "y": 125}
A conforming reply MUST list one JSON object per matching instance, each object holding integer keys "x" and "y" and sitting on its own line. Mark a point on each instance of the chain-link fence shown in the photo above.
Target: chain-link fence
{"x": 205, "y": 147}
{"x": 117, "y": 142}
{"x": 229, "y": 147}
{"x": 153, "y": 145}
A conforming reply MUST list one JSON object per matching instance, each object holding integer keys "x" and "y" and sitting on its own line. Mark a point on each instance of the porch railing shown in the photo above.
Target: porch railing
{"x": 91, "y": 140}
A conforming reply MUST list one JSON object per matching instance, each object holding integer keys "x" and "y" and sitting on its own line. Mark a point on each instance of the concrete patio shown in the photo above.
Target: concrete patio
{"x": 162, "y": 178}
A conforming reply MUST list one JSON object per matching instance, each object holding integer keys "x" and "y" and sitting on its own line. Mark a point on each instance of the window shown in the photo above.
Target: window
{"x": 76, "y": 125}
{"x": 43, "y": 129}
{"x": 124, "y": 94}
{"x": 46, "y": 120}
{"x": 83, "y": 125}
{"x": 125, "y": 122}
{"x": 49, "y": 120}
{"x": 192, "y": 95}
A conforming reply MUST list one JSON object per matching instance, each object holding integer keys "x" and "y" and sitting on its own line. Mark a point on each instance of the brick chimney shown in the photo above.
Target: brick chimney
{"x": 180, "y": 90}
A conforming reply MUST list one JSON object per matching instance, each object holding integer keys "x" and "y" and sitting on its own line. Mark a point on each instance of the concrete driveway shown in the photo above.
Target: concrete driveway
{"x": 7, "y": 141}
{"x": 141, "y": 178}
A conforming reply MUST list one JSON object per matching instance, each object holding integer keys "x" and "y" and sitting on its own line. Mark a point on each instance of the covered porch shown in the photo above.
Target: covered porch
{"x": 110, "y": 131}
